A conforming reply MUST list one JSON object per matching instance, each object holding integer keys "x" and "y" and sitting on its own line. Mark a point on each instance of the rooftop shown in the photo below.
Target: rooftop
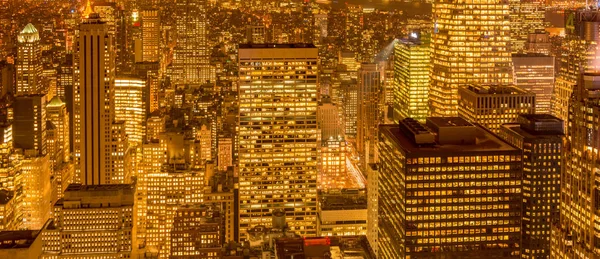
{"x": 452, "y": 135}
{"x": 343, "y": 201}
{"x": 55, "y": 102}
{"x": 17, "y": 238}
{"x": 276, "y": 46}
{"x": 355, "y": 247}
{"x": 29, "y": 34}
{"x": 495, "y": 89}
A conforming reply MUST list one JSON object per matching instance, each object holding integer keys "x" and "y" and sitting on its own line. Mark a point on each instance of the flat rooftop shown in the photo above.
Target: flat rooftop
{"x": 485, "y": 141}
{"x": 17, "y": 238}
{"x": 277, "y": 46}
{"x": 343, "y": 201}
{"x": 496, "y": 89}
{"x": 102, "y": 187}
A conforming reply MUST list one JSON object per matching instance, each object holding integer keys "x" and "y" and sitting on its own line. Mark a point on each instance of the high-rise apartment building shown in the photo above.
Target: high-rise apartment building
{"x": 574, "y": 235}
{"x": 411, "y": 77}
{"x": 191, "y": 54}
{"x": 369, "y": 93}
{"x": 449, "y": 189}
{"x": 492, "y": 106}
{"x": 535, "y": 73}
{"x": 29, "y": 62}
{"x": 94, "y": 104}
{"x": 526, "y": 17}
{"x": 92, "y": 221}
{"x": 130, "y": 107}
{"x": 278, "y": 135}
{"x": 469, "y": 46}
{"x": 540, "y": 136}
{"x": 150, "y": 35}
{"x": 29, "y": 124}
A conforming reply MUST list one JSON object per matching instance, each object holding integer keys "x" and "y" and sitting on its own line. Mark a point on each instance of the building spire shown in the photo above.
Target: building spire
{"x": 88, "y": 9}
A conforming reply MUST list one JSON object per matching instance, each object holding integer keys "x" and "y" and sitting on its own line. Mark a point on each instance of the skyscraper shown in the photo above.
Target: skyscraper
{"x": 452, "y": 192}
{"x": 469, "y": 46}
{"x": 278, "y": 135}
{"x": 130, "y": 107}
{"x": 492, "y": 106}
{"x": 91, "y": 221}
{"x": 191, "y": 54}
{"x": 369, "y": 91}
{"x": 150, "y": 35}
{"x": 540, "y": 136}
{"x": 411, "y": 76}
{"x": 535, "y": 73}
{"x": 526, "y": 17}
{"x": 29, "y": 61}
{"x": 29, "y": 124}
{"x": 573, "y": 236}
{"x": 57, "y": 114}
{"x": 94, "y": 102}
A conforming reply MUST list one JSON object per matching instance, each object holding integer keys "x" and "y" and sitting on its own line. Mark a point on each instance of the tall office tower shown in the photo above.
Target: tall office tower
{"x": 191, "y": 54}
{"x": 411, "y": 76}
{"x": 453, "y": 191}
{"x": 538, "y": 42}
{"x": 197, "y": 233}
{"x": 526, "y": 17}
{"x": 320, "y": 28}
{"x": 94, "y": 104}
{"x": 64, "y": 82}
{"x": 153, "y": 158}
{"x": 353, "y": 30}
{"x": 256, "y": 34}
{"x": 7, "y": 208}
{"x": 477, "y": 52}
{"x": 130, "y": 107}
{"x": 540, "y": 136}
{"x": 57, "y": 114}
{"x": 369, "y": 91}
{"x": 328, "y": 120}
{"x": 492, "y": 106}
{"x": 284, "y": 77}
{"x": 29, "y": 124}
{"x": 579, "y": 53}
{"x": 150, "y": 35}
{"x": 92, "y": 221}
{"x": 535, "y": 73}
{"x": 574, "y": 235}
{"x": 120, "y": 154}
{"x": 7, "y": 74}
{"x": 349, "y": 93}
{"x": 29, "y": 62}
{"x": 373, "y": 207}
{"x": 333, "y": 172}
{"x": 34, "y": 195}
{"x": 180, "y": 186}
